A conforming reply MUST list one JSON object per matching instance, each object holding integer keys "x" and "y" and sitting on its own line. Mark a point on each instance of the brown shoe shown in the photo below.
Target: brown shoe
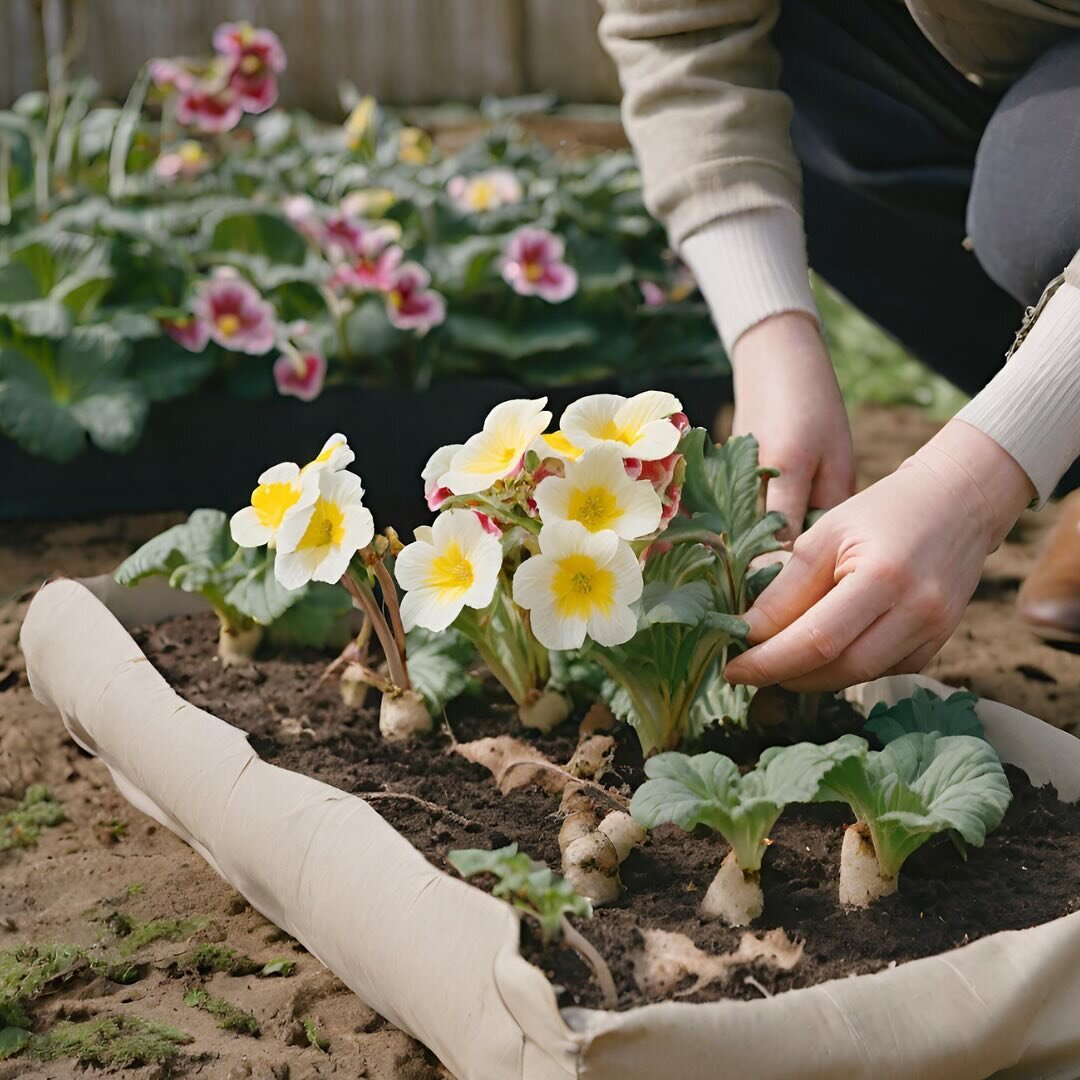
{"x": 1049, "y": 601}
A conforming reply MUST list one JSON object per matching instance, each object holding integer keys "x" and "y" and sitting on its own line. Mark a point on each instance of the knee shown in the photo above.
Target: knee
{"x": 1023, "y": 216}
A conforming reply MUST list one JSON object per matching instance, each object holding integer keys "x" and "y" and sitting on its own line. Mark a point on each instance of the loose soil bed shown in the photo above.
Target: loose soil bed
{"x": 1028, "y": 873}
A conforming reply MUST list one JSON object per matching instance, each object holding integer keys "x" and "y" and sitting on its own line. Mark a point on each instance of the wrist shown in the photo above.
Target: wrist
{"x": 986, "y": 481}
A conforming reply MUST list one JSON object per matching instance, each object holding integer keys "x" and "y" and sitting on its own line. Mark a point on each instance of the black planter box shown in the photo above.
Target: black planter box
{"x": 208, "y": 449}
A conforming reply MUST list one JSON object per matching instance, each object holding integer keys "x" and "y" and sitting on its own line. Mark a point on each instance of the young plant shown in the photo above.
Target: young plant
{"x": 199, "y": 556}
{"x": 539, "y": 892}
{"x": 708, "y": 789}
{"x": 919, "y": 785}
{"x": 925, "y": 712}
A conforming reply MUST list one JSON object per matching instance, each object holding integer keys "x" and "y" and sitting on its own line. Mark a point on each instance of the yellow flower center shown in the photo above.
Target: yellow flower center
{"x": 481, "y": 194}
{"x": 250, "y": 64}
{"x": 451, "y": 573}
{"x": 228, "y": 324}
{"x": 271, "y": 501}
{"x": 326, "y": 527}
{"x": 191, "y": 152}
{"x": 596, "y": 508}
{"x": 533, "y": 271}
{"x": 613, "y": 433}
{"x": 497, "y": 458}
{"x": 396, "y": 298}
{"x": 581, "y": 587}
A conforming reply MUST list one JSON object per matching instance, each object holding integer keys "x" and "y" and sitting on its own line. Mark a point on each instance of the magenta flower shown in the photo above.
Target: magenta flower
{"x": 208, "y": 108}
{"x": 237, "y": 317}
{"x": 256, "y": 57}
{"x": 652, "y": 294}
{"x": 303, "y": 215}
{"x": 370, "y": 258}
{"x": 532, "y": 265}
{"x": 302, "y": 377}
{"x": 171, "y": 75}
{"x": 187, "y": 161}
{"x": 189, "y": 331}
{"x": 410, "y": 304}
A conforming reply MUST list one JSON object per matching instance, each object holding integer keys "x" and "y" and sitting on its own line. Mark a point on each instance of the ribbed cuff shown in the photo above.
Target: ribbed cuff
{"x": 750, "y": 266}
{"x": 1031, "y": 408}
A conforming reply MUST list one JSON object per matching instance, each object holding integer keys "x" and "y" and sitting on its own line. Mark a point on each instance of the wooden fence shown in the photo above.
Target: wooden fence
{"x": 406, "y": 52}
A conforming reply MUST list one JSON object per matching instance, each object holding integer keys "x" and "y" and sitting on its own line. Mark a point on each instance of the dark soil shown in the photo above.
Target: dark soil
{"x": 1028, "y": 872}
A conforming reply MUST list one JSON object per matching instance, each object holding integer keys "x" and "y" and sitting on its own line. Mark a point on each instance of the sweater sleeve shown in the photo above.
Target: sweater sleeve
{"x": 1031, "y": 408}
{"x": 702, "y": 109}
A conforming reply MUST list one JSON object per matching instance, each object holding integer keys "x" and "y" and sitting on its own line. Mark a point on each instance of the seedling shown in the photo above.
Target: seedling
{"x": 708, "y": 789}
{"x": 37, "y": 810}
{"x": 110, "y": 1042}
{"x": 229, "y": 1017}
{"x": 539, "y": 892}
{"x": 919, "y": 785}
{"x": 925, "y": 712}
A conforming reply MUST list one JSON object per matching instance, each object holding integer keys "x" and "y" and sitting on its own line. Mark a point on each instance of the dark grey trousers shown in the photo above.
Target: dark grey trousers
{"x": 903, "y": 158}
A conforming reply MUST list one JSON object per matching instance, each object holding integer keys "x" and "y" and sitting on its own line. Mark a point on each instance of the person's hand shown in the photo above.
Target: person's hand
{"x": 877, "y": 585}
{"x": 786, "y": 395}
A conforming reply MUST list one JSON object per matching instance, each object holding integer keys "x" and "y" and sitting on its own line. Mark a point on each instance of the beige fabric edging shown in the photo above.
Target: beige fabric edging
{"x": 439, "y": 958}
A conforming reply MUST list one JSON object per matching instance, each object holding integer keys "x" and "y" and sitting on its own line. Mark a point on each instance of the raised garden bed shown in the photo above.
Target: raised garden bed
{"x": 440, "y": 958}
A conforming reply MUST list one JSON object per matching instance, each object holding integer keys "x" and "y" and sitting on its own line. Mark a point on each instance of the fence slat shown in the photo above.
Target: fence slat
{"x": 562, "y": 52}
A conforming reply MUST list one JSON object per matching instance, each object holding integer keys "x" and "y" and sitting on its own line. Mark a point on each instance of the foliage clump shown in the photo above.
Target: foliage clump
{"x": 38, "y": 809}
{"x": 110, "y": 1042}
{"x": 229, "y": 1017}
{"x": 206, "y": 959}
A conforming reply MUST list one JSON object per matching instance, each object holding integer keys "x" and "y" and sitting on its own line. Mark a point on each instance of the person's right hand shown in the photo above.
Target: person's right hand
{"x": 787, "y": 396}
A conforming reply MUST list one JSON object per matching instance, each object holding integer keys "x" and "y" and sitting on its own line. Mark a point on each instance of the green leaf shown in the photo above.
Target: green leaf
{"x": 12, "y": 1040}
{"x": 919, "y": 785}
{"x": 709, "y": 790}
{"x": 113, "y": 415}
{"x": 31, "y": 417}
{"x": 281, "y": 967}
{"x": 202, "y": 539}
{"x": 164, "y": 370}
{"x": 438, "y": 665}
{"x": 256, "y": 232}
{"x": 926, "y": 712}
{"x": 317, "y": 619}
{"x": 259, "y": 595}
{"x": 553, "y": 333}
{"x": 686, "y": 604}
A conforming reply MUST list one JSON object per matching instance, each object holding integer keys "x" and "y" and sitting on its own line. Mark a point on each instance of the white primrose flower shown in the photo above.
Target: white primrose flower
{"x": 509, "y": 430}
{"x": 580, "y": 584}
{"x": 316, "y": 542}
{"x": 453, "y": 564}
{"x": 597, "y": 493}
{"x": 434, "y": 491}
{"x": 281, "y": 488}
{"x": 336, "y": 454}
{"x": 556, "y": 445}
{"x": 639, "y": 426}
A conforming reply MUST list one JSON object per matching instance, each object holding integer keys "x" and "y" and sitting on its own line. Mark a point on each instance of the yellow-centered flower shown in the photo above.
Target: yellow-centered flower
{"x": 581, "y": 584}
{"x": 639, "y": 426}
{"x": 453, "y": 564}
{"x": 597, "y": 493}
{"x": 336, "y": 454}
{"x": 557, "y": 445}
{"x": 316, "y": 542}
{"x": 496, "y": 452}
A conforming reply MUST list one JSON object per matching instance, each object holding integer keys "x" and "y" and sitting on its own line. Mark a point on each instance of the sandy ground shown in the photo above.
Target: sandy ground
{"x": 46, "y": 891}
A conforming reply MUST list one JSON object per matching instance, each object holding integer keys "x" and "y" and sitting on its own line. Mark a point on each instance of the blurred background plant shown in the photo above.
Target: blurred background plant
{"x": 198, "y": 236}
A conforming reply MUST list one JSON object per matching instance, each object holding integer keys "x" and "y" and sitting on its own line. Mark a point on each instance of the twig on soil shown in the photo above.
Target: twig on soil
{"x": 620, "y": 802}
{"x": 588, "y": 952}
{"x": 751, "y": 981}
{"x": 445, "y": 811}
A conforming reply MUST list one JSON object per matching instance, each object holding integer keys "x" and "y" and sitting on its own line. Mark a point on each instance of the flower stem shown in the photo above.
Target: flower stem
{"x": 390, "y": 602}
{"x": 361, "y": 592}
{"x": 125, "y": 132}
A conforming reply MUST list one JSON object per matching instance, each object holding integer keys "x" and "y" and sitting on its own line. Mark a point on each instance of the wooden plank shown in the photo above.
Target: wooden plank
{"x": 403, "y": 51}
{"x": 24, "y": 65}
{"x": 562, "y": 52}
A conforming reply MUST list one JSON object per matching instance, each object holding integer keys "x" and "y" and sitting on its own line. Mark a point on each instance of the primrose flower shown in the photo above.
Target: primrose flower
{"x": 641, "y": 426}
{"x": 368, "y": 202}
{"x": 414, "y": 146}
{"x": 597, "y": 493}
{"x": 256, "y": 58}
{"x": 453, "y": 564}
{"x": 281, "y": 488}
{"x": 369, "y": 256}
{"x": 361, "y": 123}
{"x": 238, "y": 318}
{"x": 496, "y": 451}
{"x": 171, "y": 74}
{"x": 189, "y": 331}
{"x": 488, "y": 190}
{"x": 188, "y": 160}
{"x": 438, "y": 464}
{"x": 317, "y": 541}
{"x": 555, "y": 444}
{"x": 208, "y": 108}
{"x": 533, "y": 265}
{"x": 300, "y": 377}
{"x": 303, "y": 215}
{"x": 580, "y": 584}
{"x": 336, "y": 454}
{"x": 410, "y": 304}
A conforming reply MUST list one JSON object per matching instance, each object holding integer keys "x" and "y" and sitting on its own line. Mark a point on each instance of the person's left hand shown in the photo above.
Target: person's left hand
{"x": 879, "y": 583}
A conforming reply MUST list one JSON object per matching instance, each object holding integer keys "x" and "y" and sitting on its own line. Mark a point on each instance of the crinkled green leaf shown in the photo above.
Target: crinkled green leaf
{"x": 12, "y": 1040}
{"x": 552, "y": 333}
{"x": 926, "y": 712}
{"x": 317, "y": 618}
{"x": 438, "y": 665}
{"x": 259, "y": 595}
{"x": 256, "y": 232}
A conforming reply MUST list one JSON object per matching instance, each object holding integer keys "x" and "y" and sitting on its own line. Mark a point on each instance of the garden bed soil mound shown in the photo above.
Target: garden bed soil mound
{"x": 1028, "y": 872}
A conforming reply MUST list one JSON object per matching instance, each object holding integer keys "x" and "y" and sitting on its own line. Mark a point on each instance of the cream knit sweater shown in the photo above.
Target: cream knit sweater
{"x": 710, "y": 128}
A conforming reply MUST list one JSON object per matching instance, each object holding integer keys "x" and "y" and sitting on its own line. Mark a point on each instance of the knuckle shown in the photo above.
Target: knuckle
{"x": 894, "y": 574}
{"x": 822, "y": 644}
{"x": 931, "y": 606}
